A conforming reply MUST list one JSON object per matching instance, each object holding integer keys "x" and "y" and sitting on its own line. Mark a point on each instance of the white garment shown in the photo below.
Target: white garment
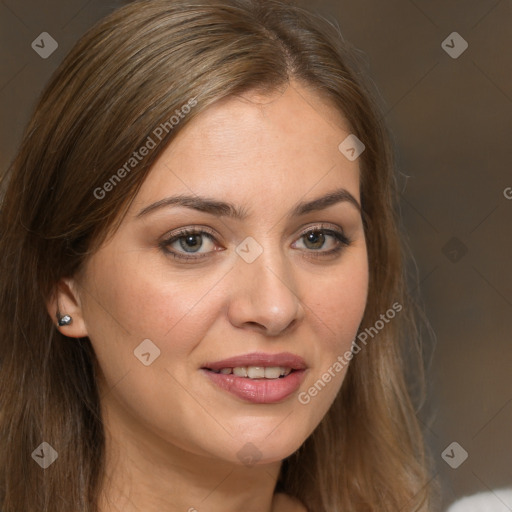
{"x": 499, "y": 500}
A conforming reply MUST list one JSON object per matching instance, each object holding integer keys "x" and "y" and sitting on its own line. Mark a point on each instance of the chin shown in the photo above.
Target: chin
{"x": 263, "y": 451}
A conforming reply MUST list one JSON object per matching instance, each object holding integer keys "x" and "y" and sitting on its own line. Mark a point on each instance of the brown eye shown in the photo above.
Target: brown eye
{"x": 314, "y": 240}
{"x": 189, "y": 244}
{"x": 319, "y": 241}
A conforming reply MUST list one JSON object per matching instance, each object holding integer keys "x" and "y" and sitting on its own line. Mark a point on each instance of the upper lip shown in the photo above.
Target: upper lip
{"x": 284, "y": 359}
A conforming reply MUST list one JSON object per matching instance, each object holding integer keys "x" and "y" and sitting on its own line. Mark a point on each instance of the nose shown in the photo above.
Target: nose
{"x": 264, "y": 296}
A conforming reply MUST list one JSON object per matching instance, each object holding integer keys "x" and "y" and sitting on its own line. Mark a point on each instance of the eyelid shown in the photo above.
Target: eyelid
{"x": 192, "y": 229}
{"x": 319, "y": 226}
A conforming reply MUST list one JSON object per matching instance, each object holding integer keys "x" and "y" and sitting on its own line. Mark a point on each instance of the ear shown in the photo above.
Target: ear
{"x": 66, "y": 301}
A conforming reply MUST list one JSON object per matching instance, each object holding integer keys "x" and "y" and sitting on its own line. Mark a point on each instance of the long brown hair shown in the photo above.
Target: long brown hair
{"x": 128, "y": 75}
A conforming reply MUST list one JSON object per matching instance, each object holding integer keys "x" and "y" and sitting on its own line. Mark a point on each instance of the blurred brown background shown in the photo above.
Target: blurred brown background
{"x": 450, "y": 111}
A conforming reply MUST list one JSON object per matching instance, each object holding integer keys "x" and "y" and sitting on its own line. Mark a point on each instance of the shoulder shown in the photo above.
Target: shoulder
{"x": 499, "y": 500}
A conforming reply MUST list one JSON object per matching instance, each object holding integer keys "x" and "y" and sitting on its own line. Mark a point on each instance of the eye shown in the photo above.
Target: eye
{"x": 190, "y": 243}
{"x": 322, "y": 241}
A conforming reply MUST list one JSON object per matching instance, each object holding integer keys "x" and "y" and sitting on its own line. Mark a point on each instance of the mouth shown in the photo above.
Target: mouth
{"x": 255, "y": 372}
{"x": 258, "y": 378}
{"x": 258, "y": 365}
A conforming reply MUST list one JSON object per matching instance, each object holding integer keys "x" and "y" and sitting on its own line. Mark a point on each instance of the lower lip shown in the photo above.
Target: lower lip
{"x": 258, "y": 391}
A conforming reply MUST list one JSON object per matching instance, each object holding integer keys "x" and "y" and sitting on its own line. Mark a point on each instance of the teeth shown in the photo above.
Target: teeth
{"x": 257, "y": 372}
{"x": 272, "y": 372}
{"x": 240, "y": 371}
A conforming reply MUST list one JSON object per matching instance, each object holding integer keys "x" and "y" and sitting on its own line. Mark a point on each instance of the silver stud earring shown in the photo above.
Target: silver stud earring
{"x": 64, "y": 319}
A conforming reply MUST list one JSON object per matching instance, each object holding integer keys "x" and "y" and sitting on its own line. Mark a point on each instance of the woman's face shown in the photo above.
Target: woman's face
{"x": 233, "y": 247}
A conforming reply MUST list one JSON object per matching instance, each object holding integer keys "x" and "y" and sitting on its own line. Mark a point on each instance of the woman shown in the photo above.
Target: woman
{"x": 202, "y": 290}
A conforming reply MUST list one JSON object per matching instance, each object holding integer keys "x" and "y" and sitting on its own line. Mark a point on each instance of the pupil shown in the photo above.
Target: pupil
{"x": 316, "y": 239}
{"x": 191, "y": 242}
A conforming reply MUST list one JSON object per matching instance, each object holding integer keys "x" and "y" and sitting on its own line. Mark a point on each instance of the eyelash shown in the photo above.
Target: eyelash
{"x": 341, "y": 239}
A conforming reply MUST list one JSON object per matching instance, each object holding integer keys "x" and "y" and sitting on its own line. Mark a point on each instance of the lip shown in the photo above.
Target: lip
{"x": 285, "y": 359}
{"x": 259, "y": 391}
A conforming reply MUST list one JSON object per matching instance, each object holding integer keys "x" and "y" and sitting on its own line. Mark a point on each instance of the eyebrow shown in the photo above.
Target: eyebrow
{"x": 223, "y": 209}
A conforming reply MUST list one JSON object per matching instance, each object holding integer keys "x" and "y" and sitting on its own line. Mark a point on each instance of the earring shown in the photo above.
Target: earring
{"x": 64, "y": 320}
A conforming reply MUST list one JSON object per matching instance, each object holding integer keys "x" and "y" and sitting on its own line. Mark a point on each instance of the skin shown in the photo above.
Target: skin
{"x": 173, "y": 436}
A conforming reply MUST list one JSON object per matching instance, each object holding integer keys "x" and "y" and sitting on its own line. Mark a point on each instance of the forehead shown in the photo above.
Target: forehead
{"x": 257, "y": 147}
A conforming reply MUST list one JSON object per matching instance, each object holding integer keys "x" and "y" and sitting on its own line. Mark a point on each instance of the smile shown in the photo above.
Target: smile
{"x": 256, "y": 372}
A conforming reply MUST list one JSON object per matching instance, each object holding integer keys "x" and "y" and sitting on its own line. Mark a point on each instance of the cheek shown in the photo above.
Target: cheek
{"x": 336, "y": 307}
{"x": 146, "y": 303}
{"x": 124, "y": 306}
{"x": 337, "y": 303}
